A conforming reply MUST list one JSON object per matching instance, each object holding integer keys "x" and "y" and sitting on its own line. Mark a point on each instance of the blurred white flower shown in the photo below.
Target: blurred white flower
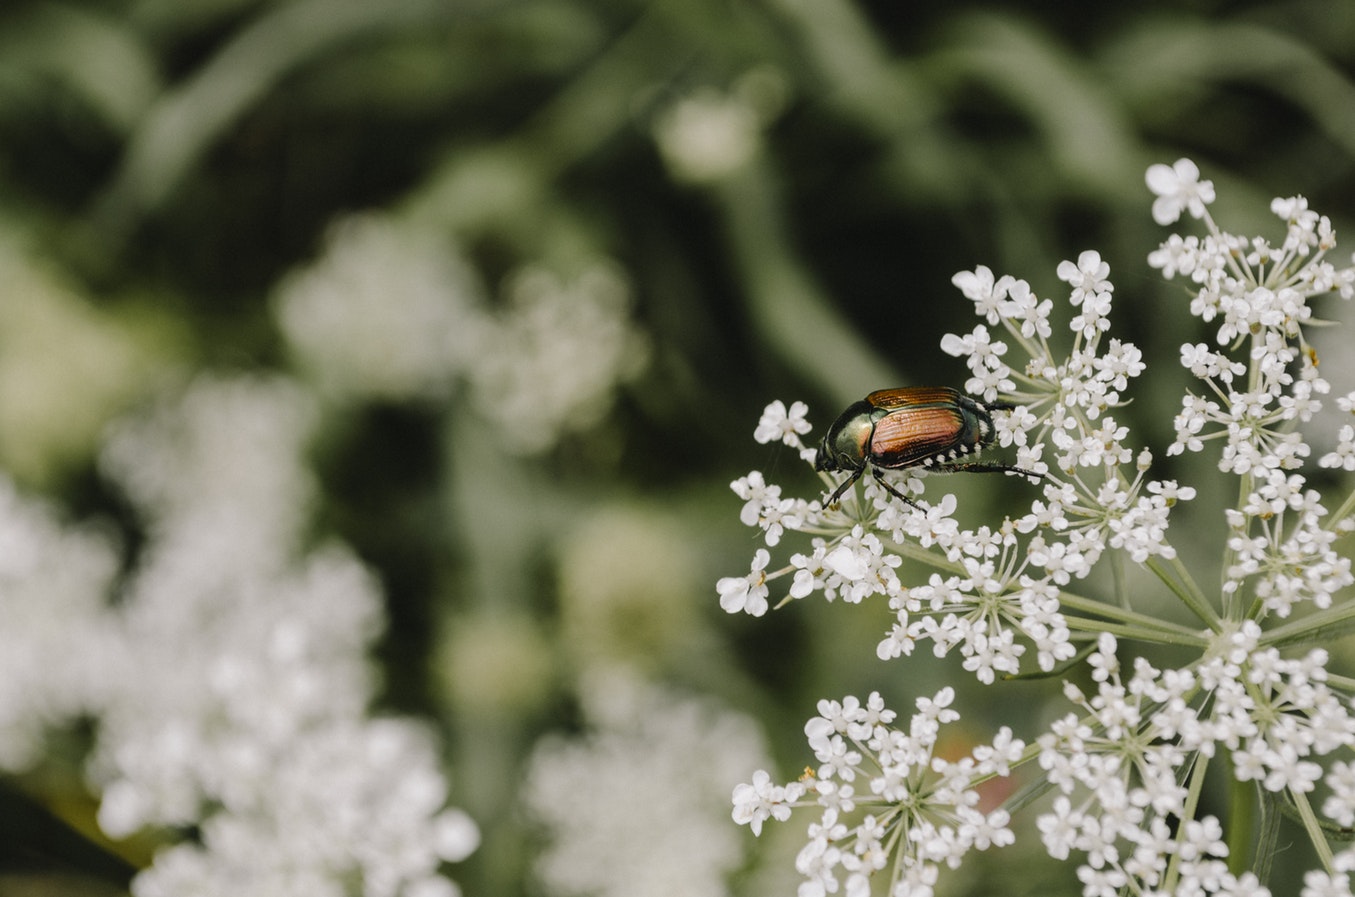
{"x": 626, "y": 811}
{"x": 352, "y": 801}
{"x": 710, "y": 134}
{"x": 54, "y": 582}
{"x": 222, "y": 463}
{"x": 388, "y": 311}
{"x": 549, "y": 364}
{"x": 222, "y": 673}
{"x": 235, "y": 695}
{"x": 707, "y": 135}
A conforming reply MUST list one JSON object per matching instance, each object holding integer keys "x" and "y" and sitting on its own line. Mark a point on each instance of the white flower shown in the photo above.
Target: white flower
{"x": 710, "y": 134}
{"x": 236, "y": 682}
{"x": 389, "y": 311}
{"x": 54, "y": 641}
{"x": 1178, "y": 187}
{"x": 550, "y": 363}
{"x": 763, "y": 800}
{"x": 778, "y": 424}
{"x": 1088, "y": 276}
{"x": 746, "y": 593}
{"x": 1122, "y": 761}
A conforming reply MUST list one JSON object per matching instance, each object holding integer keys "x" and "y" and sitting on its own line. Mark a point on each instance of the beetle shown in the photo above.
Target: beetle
{"x": 931, "y": 427}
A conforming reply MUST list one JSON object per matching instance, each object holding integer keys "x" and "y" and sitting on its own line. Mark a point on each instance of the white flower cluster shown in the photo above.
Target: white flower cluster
{"x": 1116, "y": 761}
{"x": 710, "y": 134}
{"x": 625, "y": 815}
{"x": 54, "y": 582}
{"x": 388, "y": 311}
{"x": 1261, "y": 293}
{"x": 1128, "y": 762}
{"x": 1004, "y": 584}
{"x": 548, "y": 365}
{"x": 929, "y": 808}
{"x": 230, "y": 682}
{"x": 391, "y": 311}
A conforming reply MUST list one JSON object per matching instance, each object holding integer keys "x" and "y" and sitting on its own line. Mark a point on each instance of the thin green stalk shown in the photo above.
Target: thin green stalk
{"x": 1187, "y": 812}
{"x": 1072, "y": 601}
{"x": 1268, "y": 839}
{"x": 915, "y": 552}
{"x": 1186, "y": 589}
{"x": 1326, "y": 625}
{"x": 1241, "y": 819}
{"x": 1347, "y": 507}
{"x": 1138, "y": 633}
{"x": 1118, "y": 576}
{"x": 1314, "y": 830}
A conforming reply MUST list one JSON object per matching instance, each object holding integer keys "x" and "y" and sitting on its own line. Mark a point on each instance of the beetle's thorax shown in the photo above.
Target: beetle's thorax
{"x": 846, "y": 445}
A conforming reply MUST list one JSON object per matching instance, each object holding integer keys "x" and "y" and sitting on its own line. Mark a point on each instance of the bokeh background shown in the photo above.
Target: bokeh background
{"x": 535, "y": 268}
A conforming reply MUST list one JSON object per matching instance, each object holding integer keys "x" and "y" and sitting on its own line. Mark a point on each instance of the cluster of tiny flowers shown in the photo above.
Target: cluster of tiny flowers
{"x": 1127, "y": 764}
{"x": 54, "y": 582}
{"x": 391, "y": 311}
{"x": 1260, "y": 294}
{"x": 548, "y": 364}
{"x": 388, "y": 311}
{"x": 624, "y": 813}
{"x": 1116, "y": 761}
{"x": 229, "y": 684}
{"x": 1343, "y": 456}
{"x": 882, "y": 789}
{"x": 351, "y": 801}
{"x": 1002, "y": 597}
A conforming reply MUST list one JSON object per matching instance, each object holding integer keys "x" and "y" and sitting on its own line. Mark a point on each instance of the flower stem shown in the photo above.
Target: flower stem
{"x": 1188, "y": 812}
{"x": 1241, "y": 819}
{"x": 1100, "y": 609}
{"x": 1183, "y": 586}
{"x": 1314, "y": 830}
{"x": 1326, "y": 625}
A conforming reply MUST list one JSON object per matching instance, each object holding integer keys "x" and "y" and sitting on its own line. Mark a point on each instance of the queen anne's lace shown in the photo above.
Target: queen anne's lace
{"x": 1128, "y": 760}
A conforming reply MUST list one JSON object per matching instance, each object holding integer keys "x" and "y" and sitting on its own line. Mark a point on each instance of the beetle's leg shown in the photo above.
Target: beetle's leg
{"x": 843, "y": 487}
{"x": 892, "y": 491}
{"x": 988, "y": 467}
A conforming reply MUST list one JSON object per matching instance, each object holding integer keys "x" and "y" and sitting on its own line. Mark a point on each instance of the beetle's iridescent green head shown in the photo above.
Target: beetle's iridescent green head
{"x": 846, "y": 445}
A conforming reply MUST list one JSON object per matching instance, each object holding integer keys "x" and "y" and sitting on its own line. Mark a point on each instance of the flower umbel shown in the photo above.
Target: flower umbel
{"x": 914, "y": 802}
{"x": 1127, "y": 763}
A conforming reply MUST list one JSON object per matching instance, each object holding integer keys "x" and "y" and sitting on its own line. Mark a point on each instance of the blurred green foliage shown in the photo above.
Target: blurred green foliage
{"x": 163, "y": 165}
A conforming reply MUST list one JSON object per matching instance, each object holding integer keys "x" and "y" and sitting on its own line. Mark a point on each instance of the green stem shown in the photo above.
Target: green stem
{"x": 1188, "y": 812}
{"x": 1184, "y": 587}
{"x": 1070, "y": 600}
{"x": 1138, "y": 633}
{"x": 1117, "y": 575}
{"x": 1347, "y": 507}
{"x": 1314, "y": 830}
{"x": 1267, "y": 840}
{"x": 915, "y": 552}
{"x": 1328, "y": 625}
{"x": 1241, "y": 819}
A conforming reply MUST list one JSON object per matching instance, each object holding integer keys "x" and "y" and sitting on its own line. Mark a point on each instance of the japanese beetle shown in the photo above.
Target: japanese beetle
{"x": 914, "y": 426}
